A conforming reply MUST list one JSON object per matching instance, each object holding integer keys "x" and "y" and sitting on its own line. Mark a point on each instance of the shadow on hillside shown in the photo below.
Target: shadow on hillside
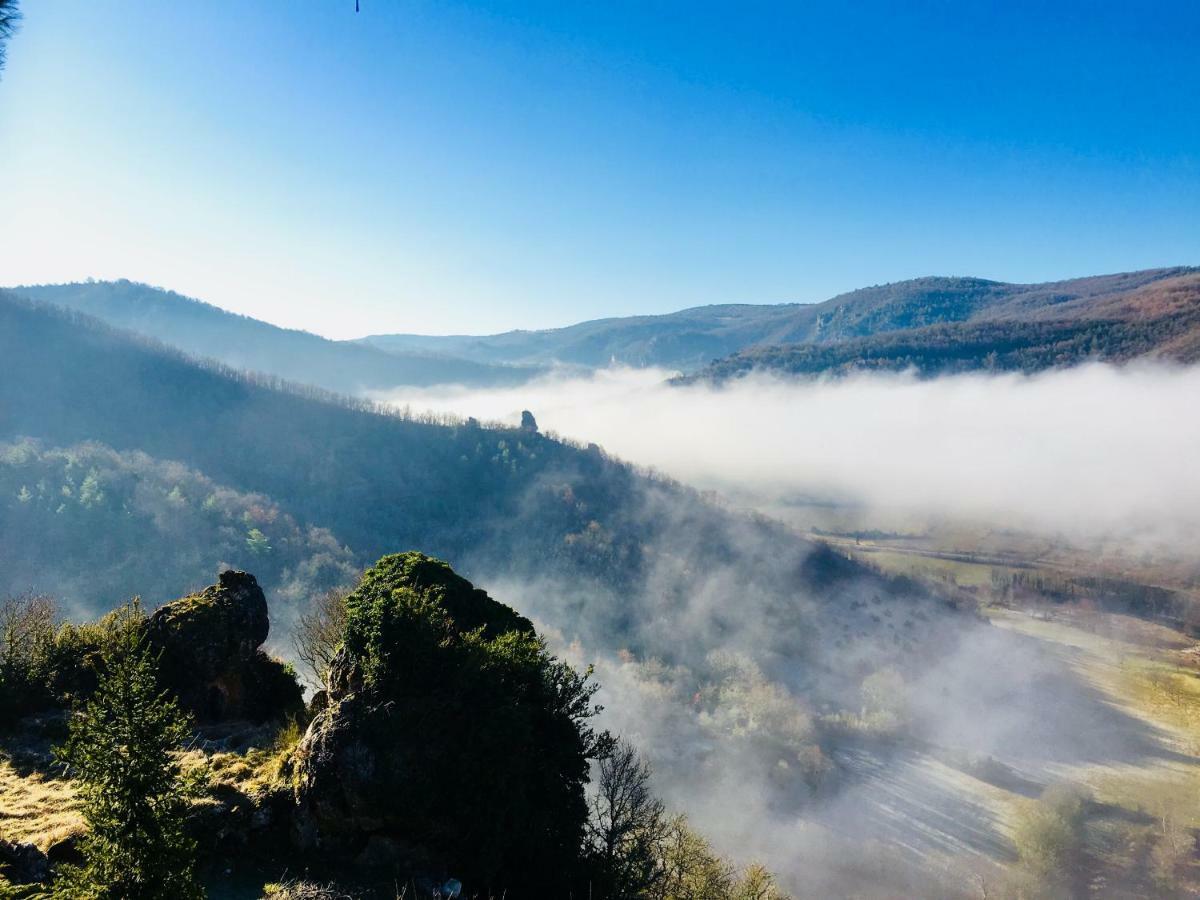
{"x": 28, "y": 747}
{"x": 1019, "y": 701}
{"x": 902, "y": 798}
{"x": 1003, "y": 711}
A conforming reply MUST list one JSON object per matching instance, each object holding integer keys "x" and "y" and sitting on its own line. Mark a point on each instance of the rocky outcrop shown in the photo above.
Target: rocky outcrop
{"x": 211, "y": 657}
{"x": 384, "y": 772}
{"x": 343, "y": 786}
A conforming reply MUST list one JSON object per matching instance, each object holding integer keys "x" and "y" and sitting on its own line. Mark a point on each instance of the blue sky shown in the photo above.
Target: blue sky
{"x": 470, "y": 167}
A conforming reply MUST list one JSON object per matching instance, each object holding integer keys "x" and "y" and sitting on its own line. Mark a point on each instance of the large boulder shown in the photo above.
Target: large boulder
{"x": 211, "y": 657}
{"x": 449, "y": 742}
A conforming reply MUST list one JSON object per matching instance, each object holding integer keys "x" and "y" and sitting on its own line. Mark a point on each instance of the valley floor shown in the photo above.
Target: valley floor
{"x": 1106, "y": 703}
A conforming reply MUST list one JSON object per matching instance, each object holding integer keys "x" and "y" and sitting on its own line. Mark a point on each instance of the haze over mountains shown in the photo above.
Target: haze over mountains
{"x": 204, "y": 330}
{"x": 504, "y": 501}
{"x": 933, "y": 325}
{"x": 871, "y": 322}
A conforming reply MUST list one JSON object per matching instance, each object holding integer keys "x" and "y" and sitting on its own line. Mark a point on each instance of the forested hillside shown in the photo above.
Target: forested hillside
{"x": 86, "y": 524}
{"x": 616, "y": 556}
{"x": 244, "y": 343}
{"x": 1025, "y": 334}
{"x": 692, "y": 338}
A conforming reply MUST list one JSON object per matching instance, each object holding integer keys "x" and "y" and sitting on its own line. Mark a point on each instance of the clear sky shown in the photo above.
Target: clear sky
{"x": 472, "y": 167}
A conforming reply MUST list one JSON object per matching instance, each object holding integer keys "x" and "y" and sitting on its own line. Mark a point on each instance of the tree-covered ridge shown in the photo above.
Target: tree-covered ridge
{"x": 1160, "y": 321}
{"x": 510, "y": 498}
{"x": 922, "y": 302}
{"x": 692, "y": 338}
{"x": 593, "y": 547}
{"x": 244, "y": 343}
{"x": 86, "y": 523}
{"x": 378, "y": 479}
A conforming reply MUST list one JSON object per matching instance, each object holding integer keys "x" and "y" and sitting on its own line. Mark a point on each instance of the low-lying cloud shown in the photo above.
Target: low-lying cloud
{"x": 770, "y": 750}
{"x": 1090, "y": 452}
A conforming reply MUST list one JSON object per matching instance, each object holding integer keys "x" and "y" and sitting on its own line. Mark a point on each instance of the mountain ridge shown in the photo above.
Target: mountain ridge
{"x": 875, "y": 327}
{"x": 682, "y": 339}
{"x": 1029, "y": 332}
{"x": 204, "y": 330}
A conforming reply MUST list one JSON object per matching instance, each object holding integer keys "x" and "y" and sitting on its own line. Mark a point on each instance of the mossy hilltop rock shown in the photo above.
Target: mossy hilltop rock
{"x": 444, "y": 744}
{"x": 211, "y": 657}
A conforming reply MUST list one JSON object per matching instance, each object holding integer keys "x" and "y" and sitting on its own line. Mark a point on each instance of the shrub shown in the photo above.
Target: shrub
{"x": 26, "y": 654}
{"x": 79, "y": 651}
{"x": 1049, "y": 832}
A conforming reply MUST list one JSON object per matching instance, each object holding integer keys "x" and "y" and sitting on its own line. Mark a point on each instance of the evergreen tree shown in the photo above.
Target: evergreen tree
{"x": 121, "y": 749}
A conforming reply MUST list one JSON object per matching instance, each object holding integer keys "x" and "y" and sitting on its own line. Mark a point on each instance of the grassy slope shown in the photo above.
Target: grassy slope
{"x": 1150, "y": 673}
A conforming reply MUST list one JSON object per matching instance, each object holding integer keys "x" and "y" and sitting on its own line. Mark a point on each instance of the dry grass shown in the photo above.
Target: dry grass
{"x": 294, "y": 889}
{"x": 251, "y": 770}
{"x": 35, "y": 807}
{"x": 38, "y": 807}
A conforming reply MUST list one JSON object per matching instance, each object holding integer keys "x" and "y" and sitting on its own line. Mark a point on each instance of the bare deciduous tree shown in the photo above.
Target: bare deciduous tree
{"x": 627, "y": 826}
{"x": 318, "y": 633}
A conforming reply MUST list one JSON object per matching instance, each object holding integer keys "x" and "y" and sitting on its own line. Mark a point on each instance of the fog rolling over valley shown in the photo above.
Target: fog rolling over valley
{"x": 963, "y": 480}
{"x": 1089, "y": 453}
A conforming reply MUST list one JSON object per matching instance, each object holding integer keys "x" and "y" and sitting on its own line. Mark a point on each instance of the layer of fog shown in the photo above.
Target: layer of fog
{"x": 732, "y": 725}
{"x": 1089, "y": 452}
{"x": 989, "y": 716}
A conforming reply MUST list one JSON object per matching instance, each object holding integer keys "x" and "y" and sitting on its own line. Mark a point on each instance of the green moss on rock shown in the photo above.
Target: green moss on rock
{"x": 211, "y": 657}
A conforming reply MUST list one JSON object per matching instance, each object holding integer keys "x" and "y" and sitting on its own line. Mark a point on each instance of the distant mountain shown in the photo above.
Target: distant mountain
{"x": 241, "y": 342}
{"x": 682, "y": 340}
{"x": 932, "y": 324}
{"x": 935, "y": 327}
{"x": 693, "y": 338}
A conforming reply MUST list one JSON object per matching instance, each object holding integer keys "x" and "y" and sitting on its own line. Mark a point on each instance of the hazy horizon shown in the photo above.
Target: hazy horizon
{"x": 567, "y": 323}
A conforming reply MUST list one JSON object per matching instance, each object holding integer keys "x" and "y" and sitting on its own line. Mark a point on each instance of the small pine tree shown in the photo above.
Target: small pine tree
{"x": 134, "y": 798}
